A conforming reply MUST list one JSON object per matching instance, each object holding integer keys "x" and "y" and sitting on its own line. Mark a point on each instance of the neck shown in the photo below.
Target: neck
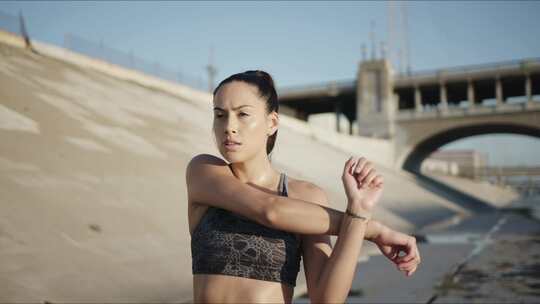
{"x": 257, "y": 170}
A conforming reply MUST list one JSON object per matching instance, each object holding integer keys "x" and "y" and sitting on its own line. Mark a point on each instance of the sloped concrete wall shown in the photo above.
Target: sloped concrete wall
{"x": 92, "y": 181}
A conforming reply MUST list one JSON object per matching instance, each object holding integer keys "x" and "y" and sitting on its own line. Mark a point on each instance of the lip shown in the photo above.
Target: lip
{"x": 231, "y": 145}
{"x": 230, "y": 140}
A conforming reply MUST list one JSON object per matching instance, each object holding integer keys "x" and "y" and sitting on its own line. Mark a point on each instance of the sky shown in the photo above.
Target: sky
{"x": 298, "y": 43}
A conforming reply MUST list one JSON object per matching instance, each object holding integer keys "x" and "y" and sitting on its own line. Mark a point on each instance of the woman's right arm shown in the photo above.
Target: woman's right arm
{"x": 210, "y": 182}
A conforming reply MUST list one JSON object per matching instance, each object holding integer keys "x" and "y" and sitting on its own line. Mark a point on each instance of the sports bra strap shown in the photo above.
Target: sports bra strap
{"x": 282, "y": 188}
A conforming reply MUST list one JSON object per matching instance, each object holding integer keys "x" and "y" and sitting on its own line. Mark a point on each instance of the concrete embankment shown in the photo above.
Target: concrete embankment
{"x": 92, "y": 179}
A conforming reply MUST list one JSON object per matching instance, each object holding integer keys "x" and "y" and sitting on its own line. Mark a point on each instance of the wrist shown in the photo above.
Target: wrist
{"x": 382, "y": 232}
{"x": 377, "y": 230}
{"x": 358, "y": 214}
{"x": 364, "y": 216}
{"x": 356, "y": 207}
{"x": 373, "y": 230}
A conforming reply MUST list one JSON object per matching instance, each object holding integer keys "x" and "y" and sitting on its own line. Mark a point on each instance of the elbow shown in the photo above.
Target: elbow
{"x": 270, "y": 215}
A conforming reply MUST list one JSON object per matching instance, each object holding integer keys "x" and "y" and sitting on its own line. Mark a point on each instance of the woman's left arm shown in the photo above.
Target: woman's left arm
{"x": 317, "y": 249}
{"x": 328, "y": 274}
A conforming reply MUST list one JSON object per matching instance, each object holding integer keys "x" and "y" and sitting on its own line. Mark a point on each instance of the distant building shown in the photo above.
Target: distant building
{"x": 328, "y": 122}
{"x": 455, "y": 162}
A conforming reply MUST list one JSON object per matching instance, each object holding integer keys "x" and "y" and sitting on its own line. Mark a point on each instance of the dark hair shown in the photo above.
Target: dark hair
{"x": 265, "y": 85}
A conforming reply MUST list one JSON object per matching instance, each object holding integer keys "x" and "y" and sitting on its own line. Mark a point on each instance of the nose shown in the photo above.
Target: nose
{"x": 230, "y": 125}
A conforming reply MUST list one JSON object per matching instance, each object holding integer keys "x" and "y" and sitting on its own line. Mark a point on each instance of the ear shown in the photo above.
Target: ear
{"x": 272, "y": 122}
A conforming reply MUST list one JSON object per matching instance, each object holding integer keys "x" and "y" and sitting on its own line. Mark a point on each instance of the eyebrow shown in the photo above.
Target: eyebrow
{"x": 218, "y": 108}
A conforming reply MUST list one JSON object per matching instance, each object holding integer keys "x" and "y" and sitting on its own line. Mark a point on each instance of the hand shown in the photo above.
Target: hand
{"x": 362, "y": 184}
{"x": 391, "y": 243}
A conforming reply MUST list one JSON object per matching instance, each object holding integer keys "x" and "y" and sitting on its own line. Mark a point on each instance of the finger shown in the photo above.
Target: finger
{"x": 410, "y": 250}
{"x": 364, "y": 181}
{"x": 360, "y": 179}
{"x": 418, "y": 259}
{"x": 360, "y": 166}
{"x": 392, "y": 254}
{"x": 372, "y": 175}
{"x": 375, "y": 179}
{"x": 348, "y": 164}
{"x": 378, "y": 181}
{"x": 354, "y": 166}
{"x": 410, "y": 255}
{"x": 410, "y": 272}
{"x": 364, "y": 170}
{"x": 404, "y": 268}
{"x": 408, "y": 265}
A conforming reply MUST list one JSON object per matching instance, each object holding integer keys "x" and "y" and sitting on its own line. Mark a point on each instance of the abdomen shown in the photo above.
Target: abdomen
{"x": 211, "y": 288}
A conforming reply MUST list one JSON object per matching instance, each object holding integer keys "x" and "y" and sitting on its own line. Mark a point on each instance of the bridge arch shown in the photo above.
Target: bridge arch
{"x": 413, "y": 159}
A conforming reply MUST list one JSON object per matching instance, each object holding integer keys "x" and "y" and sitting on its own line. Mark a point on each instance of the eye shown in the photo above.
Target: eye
{"x": 218, "y": 115}
{"x": 244, "y": 114}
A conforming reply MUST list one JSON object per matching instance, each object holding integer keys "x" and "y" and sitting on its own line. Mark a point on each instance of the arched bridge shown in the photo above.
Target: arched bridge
{"x": 421, "y": 112}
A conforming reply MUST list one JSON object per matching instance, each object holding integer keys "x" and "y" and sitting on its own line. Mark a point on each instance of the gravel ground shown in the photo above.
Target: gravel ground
{"x": 504, "y": 270}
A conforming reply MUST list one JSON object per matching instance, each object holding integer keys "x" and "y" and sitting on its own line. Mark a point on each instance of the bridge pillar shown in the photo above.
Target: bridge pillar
{"x": 417, "y": 99}
{"x": 528, "y": 88}
{"x": 375, "y": 100}
{"x": 337, "y": 110}
{"x": 443, "y": 96}
{"x": 301, "y": 115}
{"x": 498, "y": 91}
{"x": 470, "y": 94}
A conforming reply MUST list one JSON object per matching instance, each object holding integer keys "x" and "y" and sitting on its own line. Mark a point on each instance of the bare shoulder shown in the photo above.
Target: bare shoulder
{"x": 307, "y": 191}
{"x": 205, "y": 159}
{"x": 202, "y": 162}
{"x": 199, "y": 168}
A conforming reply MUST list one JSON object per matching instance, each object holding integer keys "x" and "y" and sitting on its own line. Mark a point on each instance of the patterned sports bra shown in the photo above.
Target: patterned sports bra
{"x": 230, "y": 244}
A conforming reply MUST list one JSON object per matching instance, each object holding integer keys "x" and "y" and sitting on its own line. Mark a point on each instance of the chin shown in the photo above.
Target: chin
{"x": 235, "y": 157}
{"x": 231, "y": 157}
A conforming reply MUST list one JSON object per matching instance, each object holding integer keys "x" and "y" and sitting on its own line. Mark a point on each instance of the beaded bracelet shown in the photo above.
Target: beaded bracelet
{"x": 365, "y": 218}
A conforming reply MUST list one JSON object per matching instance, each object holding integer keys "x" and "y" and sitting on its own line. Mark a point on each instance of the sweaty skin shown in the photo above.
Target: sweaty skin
{"x": 240, "y": 115}
{"x": 230, "y": 289}
{"x": 218, "y": 288}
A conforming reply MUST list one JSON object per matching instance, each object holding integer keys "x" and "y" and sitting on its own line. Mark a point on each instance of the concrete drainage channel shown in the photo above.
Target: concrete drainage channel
{"x": 488, "y": 257}
{"x": 477, "y": 239}
{"x": 503, "y": 265}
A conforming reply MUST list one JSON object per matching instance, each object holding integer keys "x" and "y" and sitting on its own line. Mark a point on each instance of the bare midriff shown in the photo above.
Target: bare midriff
{"x": 215, "y": 288}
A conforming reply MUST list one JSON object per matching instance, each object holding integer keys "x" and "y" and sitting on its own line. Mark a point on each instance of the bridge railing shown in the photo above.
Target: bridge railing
{"x": 330, "y": 85}
{"x": 351, "y": 83}
{"x": 502, "y": 65}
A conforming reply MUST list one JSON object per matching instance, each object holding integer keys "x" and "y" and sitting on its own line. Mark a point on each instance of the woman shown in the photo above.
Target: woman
{"x": 251, "y": 225}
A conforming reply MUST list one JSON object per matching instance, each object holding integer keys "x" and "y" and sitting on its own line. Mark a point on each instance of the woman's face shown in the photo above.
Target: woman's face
{"x": 240, "y": 116}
